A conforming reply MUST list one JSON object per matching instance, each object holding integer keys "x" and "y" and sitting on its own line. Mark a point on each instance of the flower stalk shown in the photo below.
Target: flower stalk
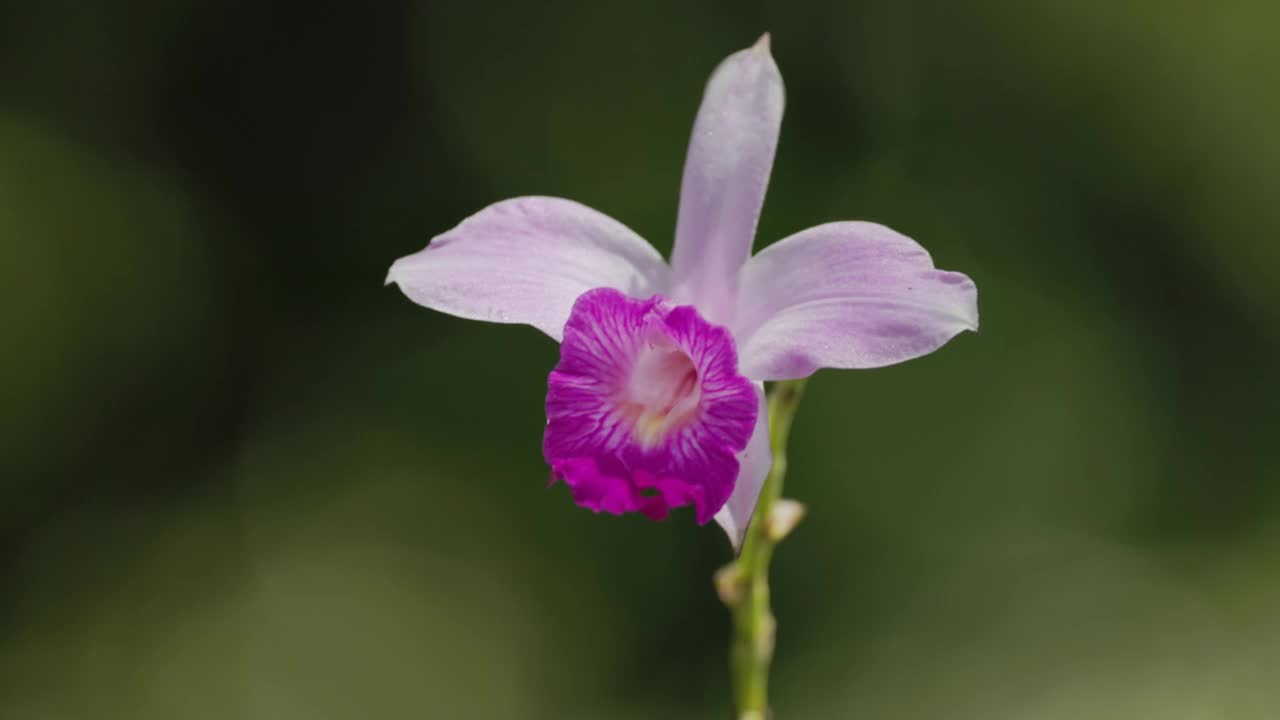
{"x": 743, "y": 585}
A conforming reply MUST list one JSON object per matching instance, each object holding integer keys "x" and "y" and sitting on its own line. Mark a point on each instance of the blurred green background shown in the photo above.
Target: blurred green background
{"x": 239, "y": 478}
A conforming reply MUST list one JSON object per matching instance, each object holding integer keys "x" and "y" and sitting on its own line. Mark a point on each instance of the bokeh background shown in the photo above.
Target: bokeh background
{"x": 239, "y": 478}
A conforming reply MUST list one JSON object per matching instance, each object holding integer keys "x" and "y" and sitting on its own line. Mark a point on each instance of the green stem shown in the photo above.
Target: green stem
{"x": 745, "y": 583}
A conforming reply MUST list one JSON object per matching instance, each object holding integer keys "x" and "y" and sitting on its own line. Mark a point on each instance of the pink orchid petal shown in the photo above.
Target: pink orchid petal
{"x": 753, "y": 465}
{"x": 846, "y": 295}
{"x": 726, "y": 173}
{"x": 526, "y": 260}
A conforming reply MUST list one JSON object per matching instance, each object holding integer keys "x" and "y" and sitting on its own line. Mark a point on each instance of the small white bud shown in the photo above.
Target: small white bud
{"x": 783, "y": 518}
{"x": 728, "y": 580}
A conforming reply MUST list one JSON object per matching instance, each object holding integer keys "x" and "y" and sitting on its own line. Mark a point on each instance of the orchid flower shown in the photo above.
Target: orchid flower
{"x": 658, "y": 398}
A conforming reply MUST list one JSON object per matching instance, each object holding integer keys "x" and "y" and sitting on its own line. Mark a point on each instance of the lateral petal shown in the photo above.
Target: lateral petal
{"x": 846, "y": 295}
{"x": 526, "y": 260}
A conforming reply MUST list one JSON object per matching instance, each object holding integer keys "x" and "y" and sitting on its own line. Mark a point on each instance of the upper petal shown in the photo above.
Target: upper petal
{"x": 726, "y": 173}
{"x": 526, "y": 260}
{"x": 846, "y": 295}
